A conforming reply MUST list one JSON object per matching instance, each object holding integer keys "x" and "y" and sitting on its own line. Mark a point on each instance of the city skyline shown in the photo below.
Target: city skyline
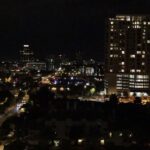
{"x": 65, "y": 26}
{"x": 74, "y": 74}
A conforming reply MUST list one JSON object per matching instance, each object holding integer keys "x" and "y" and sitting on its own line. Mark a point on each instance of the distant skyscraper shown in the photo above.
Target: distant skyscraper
{"x": 26, "y": 54}
{"x": 128, "y": 54}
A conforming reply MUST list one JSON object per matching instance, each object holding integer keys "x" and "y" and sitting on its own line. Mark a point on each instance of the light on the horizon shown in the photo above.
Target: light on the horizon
{"x": 26, "y": 45}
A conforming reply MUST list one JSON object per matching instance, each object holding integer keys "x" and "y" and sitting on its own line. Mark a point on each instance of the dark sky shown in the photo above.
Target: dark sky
{"x": 54, "y": 26}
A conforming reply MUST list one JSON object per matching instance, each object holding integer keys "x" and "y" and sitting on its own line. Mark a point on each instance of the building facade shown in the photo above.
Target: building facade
{"x": 26, "y": 54}
{"x": 36, "y": 66}
{"x": 128, "y": 54}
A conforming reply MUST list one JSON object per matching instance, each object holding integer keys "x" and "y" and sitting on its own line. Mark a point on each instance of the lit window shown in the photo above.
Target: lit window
{"x": 111, "y": 22}
{"x": 119, "y": 88}
{"x": 111, "y": 56}
{"x": 132, "y": 70}
{"x": 136, "y": 26}
{"x": 119, "y": 84}
{"x": 143, "y": 63}
{"x": 143, "y": 52}
{"x": 131, "y": 76}
{"x": 110, "y": 134}
{"x": 148, "y": 23}
{"x": 119, "y": 75}
{"x": 143, "y": 56}
{"x": 138, "y": 70}
{"x": 123, "y": 52}
{"x": 148, "y": 41}
{"x": 116, "y": 55}
{"x": 122, "y": 70}
{"x": 122, "y": 63}
{"x": 111, "y": 70}
{"x": 112, "y": 30}
{"x": 128, "y": 18}
{"x": 111, "y": 48}
{"x": 132, "y": 56}
{"x": 119, "y": 81}
{"x": 144, "y": 23}
{"x": 142, "y": 76}
{"x": 120, "y": 134}
{"x": 138, "y": 86}
{"x": 138, "y": 52}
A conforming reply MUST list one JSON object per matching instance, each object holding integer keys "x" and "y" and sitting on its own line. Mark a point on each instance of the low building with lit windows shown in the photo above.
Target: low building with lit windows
{"x": 36, "y": 66}
{"x": 128, "y": 54}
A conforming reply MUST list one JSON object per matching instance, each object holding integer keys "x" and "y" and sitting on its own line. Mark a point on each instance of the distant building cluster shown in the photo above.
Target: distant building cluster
{"x": 26, "y": 54}
{"x": 70, "y": 78}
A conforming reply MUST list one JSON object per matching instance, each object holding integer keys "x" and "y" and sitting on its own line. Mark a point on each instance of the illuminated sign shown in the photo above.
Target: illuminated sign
{"x": 26, "y": 45}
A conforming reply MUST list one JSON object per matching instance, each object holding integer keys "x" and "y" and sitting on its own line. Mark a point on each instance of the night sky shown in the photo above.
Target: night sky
{"x": 60, "y": 26}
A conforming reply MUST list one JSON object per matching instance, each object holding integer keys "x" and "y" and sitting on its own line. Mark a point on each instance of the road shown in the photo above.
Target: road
{"x": 10, "y": 111}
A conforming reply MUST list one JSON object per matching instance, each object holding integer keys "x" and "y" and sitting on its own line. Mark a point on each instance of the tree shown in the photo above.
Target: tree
{"x": 113, "y": 99}
{"x": 6, "y": 99}
{"x": 137, "y": 100}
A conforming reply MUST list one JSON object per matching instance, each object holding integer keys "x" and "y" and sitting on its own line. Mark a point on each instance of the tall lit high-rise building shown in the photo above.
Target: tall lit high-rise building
{"x": 26, "y": 54}
{"x": 128, "y": 54}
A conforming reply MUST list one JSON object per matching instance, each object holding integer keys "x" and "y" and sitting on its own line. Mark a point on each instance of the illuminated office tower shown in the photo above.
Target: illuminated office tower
{"x": 26, "y": 54}
{"x": 128, "y": 54}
